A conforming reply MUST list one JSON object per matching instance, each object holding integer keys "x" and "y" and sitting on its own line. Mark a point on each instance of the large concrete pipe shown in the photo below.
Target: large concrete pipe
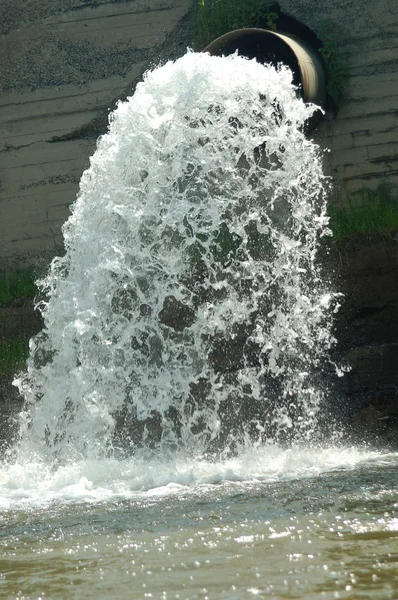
{"x": 275, "y": 48}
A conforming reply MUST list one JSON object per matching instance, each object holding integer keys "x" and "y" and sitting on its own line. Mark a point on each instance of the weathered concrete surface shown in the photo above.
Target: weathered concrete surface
{"x": 363, "y": 137}
{"x": 63, "y": 66}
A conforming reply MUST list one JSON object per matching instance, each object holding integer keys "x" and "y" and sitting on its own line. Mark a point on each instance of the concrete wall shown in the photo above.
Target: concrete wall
{"x": 363, "y": 139}
{"x": 64, "y": 64}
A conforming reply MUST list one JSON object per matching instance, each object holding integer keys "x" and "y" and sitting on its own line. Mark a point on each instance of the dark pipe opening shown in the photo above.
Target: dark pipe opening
{"x": 275, "y": 48}
{"x": 252, "y": 43}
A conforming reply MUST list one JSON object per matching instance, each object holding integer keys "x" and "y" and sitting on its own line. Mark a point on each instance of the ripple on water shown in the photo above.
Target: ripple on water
{"x": 281, "y": 538}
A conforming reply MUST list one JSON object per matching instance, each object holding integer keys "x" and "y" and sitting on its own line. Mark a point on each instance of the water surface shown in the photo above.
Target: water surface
{"x": 316, "y": 531}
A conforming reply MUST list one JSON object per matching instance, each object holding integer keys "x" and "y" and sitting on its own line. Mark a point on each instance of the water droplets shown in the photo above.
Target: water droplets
{"x": 188, "y": 305}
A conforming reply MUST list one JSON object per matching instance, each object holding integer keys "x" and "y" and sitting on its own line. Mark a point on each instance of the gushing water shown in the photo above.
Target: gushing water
{"x": 170, "y": 442}
{"x": 188, "y": 313}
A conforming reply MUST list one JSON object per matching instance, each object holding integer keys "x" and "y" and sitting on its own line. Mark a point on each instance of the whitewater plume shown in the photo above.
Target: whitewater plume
{"x": 188, "y": 311}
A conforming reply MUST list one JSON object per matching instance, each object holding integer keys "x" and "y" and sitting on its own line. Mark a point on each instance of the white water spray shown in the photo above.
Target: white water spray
{"x": 188, "y": 311}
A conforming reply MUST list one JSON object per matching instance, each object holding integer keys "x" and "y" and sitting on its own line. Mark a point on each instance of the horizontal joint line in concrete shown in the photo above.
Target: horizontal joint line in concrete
{"x": 106, "y": 29}
{"x": 371, "y": 175}
{"x": 367, "y": 115}
{"x": 57, "y": 115}
{"x": 152, "y": 35}
{"x": 47, "y": 193}
{"x": 41, "y": 141}
{"x": 55, "y": 98}
{"x": 32, "y": 238}
{"x": 115, "y": 16}
{"x": 376, "y": 36}
{"x": 51, "y": 162}
{"x": 384, "y": 159}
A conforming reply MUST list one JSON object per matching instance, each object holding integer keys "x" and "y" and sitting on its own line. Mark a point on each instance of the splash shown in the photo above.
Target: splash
{"x": 188, "y": 312}
{"x": 32, "y": 485}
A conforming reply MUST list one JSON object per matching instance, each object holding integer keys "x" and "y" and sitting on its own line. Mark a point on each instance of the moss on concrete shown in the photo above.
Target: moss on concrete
{"x": 13, "y": 355}
{"x": 371, "y": 212}
{"x": 216, "y": 17}
{"x": 15, "y": 285}
{"x": 18, "y": 320}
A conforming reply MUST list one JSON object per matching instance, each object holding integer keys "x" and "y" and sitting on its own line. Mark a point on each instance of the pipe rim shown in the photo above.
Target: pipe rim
{"x": 308, "y": 68}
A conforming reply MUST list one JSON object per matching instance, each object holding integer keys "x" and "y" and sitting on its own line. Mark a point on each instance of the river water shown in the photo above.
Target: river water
{"x": 180, "y": 436}
{"x": 272, "y": 524}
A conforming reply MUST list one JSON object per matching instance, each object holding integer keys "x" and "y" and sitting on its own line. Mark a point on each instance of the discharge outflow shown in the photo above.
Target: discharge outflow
{"x": 188, "y": 313}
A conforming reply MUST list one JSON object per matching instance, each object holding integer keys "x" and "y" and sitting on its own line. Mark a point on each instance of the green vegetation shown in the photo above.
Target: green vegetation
{"x": 336, "y": 68}
{"x": 376, "y": 212}
{"x": 216, "y": 17}
{"x": 13, "y": 354}
{"x": 16, "y": 285}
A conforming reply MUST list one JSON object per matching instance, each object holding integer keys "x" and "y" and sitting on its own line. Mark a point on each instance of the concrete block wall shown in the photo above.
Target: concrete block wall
{"x": 65, "y": 63}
